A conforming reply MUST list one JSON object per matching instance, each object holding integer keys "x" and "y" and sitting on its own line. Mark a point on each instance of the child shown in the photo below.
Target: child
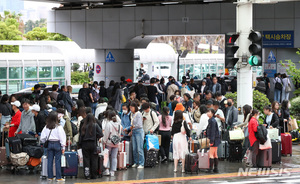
{"x": 213, "y": 135}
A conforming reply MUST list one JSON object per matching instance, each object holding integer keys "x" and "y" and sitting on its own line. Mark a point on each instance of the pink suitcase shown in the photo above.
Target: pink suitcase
{"x": 122, "y": 160}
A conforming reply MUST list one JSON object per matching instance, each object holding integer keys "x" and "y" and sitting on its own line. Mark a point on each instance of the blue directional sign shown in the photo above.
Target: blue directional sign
{"x": 110, "y": 58}
{"x": 278, "y": 39}
{"x": 271, "y": 57}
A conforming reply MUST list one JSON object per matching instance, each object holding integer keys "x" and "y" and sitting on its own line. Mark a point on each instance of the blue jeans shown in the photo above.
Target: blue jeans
{"x": 277, "y": 95}
{"x": 4, "y": 119}
{"x": 113, "y": 153}
{"x": 54, "y": 150}
{"x": 94, "y": 107}
{"x": 138, "y": 144}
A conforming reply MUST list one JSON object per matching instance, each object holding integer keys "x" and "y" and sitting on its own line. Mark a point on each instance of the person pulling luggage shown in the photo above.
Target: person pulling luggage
{"x": 213, "y": 135}
{"x": 54, "y": 138}
{"x": 252, "y": 128}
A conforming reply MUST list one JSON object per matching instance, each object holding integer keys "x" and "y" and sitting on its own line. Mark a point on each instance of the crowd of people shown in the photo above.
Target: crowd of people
{"x": 178, "y": 111}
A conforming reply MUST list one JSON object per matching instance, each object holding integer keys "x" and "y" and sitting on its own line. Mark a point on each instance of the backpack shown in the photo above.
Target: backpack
{"x": 224, "y": 88}
{"x": 278, "y": 85}
{"x": 142, "y": 90}
{"x": 95, "y": 96}
{"x": 152, "y": 118}
{"x": 84, "y": 96}
{"x": 74, "y": 129}
{"x": 261, "y": 134}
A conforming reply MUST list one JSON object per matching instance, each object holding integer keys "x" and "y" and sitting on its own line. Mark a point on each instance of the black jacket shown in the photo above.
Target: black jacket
{"x": 96, "y": 134}
{"x": 285, "y": 114}
{"x": 176, "y": 128}
{"x": 213, "y": 133}
{"x": 40, "y": 121}
{"x": 274, "y": 122}
{"x": 102, "y": 92}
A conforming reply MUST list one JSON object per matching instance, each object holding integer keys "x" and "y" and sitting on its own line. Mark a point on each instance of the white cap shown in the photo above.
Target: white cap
{"x": 36, "y": 108}
{"x": 16, "y": 103}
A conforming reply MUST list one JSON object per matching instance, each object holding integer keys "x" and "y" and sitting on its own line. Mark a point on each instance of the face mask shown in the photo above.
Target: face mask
{"x": 229, "y": 104}
{"x": 125, "y": 111}
{"x": 177, "y": 96}
{"x": 257, "y": 117}
{"x": 289, "y": 106}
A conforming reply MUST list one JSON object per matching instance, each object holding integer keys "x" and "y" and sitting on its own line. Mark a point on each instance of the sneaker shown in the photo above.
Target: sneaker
{"x": 183, "y": 171}
{"x": 106, "y": 172}
{"x": 112, "y": 173}
{"x": 140, "y": 167}
{"x": 60, "y": 180}
{"x": 134, "y": 165}
{"x": 50, "y": 179}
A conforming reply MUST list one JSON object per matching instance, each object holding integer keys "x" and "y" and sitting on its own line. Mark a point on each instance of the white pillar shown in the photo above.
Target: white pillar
{"x": 244, "y": 12}
{"x": 122, "y": 66}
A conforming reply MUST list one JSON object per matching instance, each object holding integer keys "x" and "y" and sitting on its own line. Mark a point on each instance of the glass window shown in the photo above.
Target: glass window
{"x": 191, "y": 68}
{"x": 220, "y": 69}
{"x": 15, "y": 73}
{"x": 181, "y": 70}
{"x": 45, "y": 72}
{"x": 30, "y": 72}
{"x": 3, "y": 73}
{"x": 14, "y": 86}
{"x": 197, "y": 71}
{"x": 3, "y": 86}
{"x": 58, "y": 71}
{"x": 205, "y": 68}
{"x": 213, "y": 68}
{"x": 62, "y": 82}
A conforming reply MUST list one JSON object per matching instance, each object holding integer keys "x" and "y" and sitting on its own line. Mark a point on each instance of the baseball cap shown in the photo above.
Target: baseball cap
{"x": 36, "y": 108}
{"x": 16, "y": 103}
{"x": 204, "y": 80}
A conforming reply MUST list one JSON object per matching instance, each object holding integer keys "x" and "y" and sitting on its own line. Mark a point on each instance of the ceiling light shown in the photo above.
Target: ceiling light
{"x": 129, "y": 5}
{"x": 169, "y": 3}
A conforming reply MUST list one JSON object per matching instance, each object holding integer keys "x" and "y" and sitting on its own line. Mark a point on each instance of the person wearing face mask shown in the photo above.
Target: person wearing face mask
{"x": 252, "y": 128}
{"x": 125, "y": 121}
{"x": 232, "y": 113}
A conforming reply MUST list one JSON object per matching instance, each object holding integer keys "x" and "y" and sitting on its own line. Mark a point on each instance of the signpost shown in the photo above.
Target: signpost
{"x": 98, "y": 69}
{"x": 270, "y": 65}
{"x": 278, "y": 39}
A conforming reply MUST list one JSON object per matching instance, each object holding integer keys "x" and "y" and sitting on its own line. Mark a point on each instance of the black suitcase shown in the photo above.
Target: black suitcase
{"x": 15, "y": 145}
{"x": 264, "y": 158}
{"x": 100, "y": 166}
{"x": 23, "y": 136}
{"x": 30, "y": 141}
{"x": 150, "y": 158}
{"x": 191, "y": 163}
{"x": 34, "y": 151}
{"x": 276, "y": 151}
{"x": 235, "y": 152}
{"x": 223, "y": 150}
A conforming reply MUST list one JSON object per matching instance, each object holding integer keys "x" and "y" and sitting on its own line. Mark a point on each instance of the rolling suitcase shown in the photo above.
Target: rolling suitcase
{"x": 72, "y": 160}
{"x": 44, "y": 172}
{"x": 3, "y": 153}
{"x": 264, "y": 158}
{"x": 276, "y": 151}
{"x": 150, "y": 158}
{"x": 286, "y": 142}
{"x": 195, "y": 145}
{"x": 100, "y": 166}
{"x": 122, "y": 160}
{"x": 203, "y": 159}
{"x": 222, "y": 150}
{"x": 15, "y": 145}
{"x": 191, "y": 161}
{"x": 235, "y": 152}
{"x": 127, "y": 148}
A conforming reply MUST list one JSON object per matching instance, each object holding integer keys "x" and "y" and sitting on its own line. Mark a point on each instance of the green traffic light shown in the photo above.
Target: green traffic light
{"x": 254, "y": 61}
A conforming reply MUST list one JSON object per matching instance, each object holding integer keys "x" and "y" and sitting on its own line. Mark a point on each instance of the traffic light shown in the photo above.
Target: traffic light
{"x": 230, "y": 50}
{"x": 255, "y": 48}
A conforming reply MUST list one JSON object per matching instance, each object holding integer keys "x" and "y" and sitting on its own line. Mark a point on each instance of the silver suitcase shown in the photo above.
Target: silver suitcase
{"x": 44, "y": 172}
{"x": 203, "y": 156}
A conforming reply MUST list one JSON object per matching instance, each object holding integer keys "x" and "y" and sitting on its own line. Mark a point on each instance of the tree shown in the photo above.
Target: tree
{"x": 38, "y": 23}
{"x": 41, "y": 34}
{"x": 75, "y": 67}
{"x": 9, "y": 30}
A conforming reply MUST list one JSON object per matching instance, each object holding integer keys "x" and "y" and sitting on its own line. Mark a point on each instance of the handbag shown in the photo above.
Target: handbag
{"x": 288, "y": 87}
{"x": 47, "y": 141}
{"x": 204, "y": 142}
{"x": 266, "y": 145}
{"x": 115, "y": 139}
{"x": 293, "y": 125}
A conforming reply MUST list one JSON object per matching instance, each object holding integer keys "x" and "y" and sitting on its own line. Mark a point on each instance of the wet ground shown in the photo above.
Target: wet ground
{"x": 286, "y": 172}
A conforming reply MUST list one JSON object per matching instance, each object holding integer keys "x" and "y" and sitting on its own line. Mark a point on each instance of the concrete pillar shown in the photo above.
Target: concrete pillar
{"x": 120, "y": 64}
{"x": 244, "y": 15}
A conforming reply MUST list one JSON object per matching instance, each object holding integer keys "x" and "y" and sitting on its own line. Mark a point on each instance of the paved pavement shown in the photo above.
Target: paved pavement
{"x": 163, "y": 173}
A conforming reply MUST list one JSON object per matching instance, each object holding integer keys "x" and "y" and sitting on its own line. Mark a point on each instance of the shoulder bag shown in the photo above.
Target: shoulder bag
{"x": 116, "y": 139}
{"x": 47, "y": 141}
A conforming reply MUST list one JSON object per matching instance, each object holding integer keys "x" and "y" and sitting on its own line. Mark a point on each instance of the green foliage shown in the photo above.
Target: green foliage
{"x": 38, "y": 23}
{"x": 42, "y": 34}
{"x": 9, "y": 30}
{"x": 78, "y": 78}
{"x": 259, "y": 100}
{"x": 75, "y": 67}
{"x": 295, "y": 107}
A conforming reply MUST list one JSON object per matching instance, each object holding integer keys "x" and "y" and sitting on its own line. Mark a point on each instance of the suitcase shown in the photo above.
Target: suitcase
{"x": 44, "y": 172}
{"x": 24, "y": 136}
{"x": 203, "y": 159}
{"x": 222, "y": 150}
{"x": 3, "y": 153}
{"x": 286, "y": 142}
{"x": 15, "y": 145}
{"x": 122, "y": 160}
{"x": 72, "y": 162}
{"x": 235, "y": 152}
{"x": 191, "y": 163}
{"x": 171, "y": 152}
{"x": 127, "y": 147}
{"x": 100, "y": 169}
{"x": 34, "y": 161}
{"x": 34, "y": 151}
{"x": 276, "y": 151}
{"x": 195, "y": 145}
{"x": 264, "y": 158}
{"x": 30, "y": 141}
{"x": 150, "y": 158}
